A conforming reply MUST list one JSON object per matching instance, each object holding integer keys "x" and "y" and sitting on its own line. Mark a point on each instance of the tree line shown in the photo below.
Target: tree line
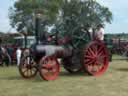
{"x": 67, "y": 16}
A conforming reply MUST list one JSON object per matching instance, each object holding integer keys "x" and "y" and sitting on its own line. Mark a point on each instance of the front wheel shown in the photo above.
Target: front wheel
{"x": 49, "y": 68}
{"x": 28, "y": 67}
{"x": 96, "y": 59}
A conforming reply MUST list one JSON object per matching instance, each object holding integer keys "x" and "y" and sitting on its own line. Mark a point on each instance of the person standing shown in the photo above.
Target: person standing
{"x": 18, "y": 56}
{"x": 99, "y": 33}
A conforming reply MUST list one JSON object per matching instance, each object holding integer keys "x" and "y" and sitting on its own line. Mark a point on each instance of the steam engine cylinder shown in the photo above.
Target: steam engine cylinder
{"x": 52, "y": 50}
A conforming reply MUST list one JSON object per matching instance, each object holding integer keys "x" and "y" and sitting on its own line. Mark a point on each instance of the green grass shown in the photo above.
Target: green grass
{"x": 113, "y": 83}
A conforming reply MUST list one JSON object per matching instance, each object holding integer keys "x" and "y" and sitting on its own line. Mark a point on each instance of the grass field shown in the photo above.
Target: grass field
{"x": 113, "y": 83}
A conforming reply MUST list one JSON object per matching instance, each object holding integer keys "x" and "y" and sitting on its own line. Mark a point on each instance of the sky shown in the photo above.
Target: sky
{"x": 119, "y": 8}
{"x": 4, "y": 20}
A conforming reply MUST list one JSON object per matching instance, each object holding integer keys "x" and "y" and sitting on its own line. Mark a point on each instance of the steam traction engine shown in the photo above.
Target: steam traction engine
{"x": 75, "y": 54}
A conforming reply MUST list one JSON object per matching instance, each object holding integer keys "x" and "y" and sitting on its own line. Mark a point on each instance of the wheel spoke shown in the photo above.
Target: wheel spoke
{"x": 25, "y": 71}
{"x": 90, "y": 51}
{"x": 50, "y": 69}
{"x": 97, "y": 68}
{"x": 89, "y": 57}
{"x": 95, "y": 50}
{"x": 101, "y": 53}
{"x": 100, "y": 49}
{"x": 99, "y": 63}
{"x": 92, "y": 68}
{"x": 90, "y": 62}
{"x": 30, "y": 72}
{"x": 96, "y": 58}
{"x": 27, "y": 68}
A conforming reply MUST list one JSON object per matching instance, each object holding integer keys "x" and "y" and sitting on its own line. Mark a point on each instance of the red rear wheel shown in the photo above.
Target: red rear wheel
{"x": 49, "y": 68}
{"x": 28, "y": 68}
{"x": 96, "y": 58}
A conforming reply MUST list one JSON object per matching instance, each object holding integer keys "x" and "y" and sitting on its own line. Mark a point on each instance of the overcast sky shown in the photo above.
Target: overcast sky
{"x": 119, "y": 9}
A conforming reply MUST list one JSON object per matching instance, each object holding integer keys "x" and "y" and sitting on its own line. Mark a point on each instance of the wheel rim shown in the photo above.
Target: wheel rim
{"x": 49, "y": 68}
{"x": 28, "y": 68}
{"x": 96, "y": 58}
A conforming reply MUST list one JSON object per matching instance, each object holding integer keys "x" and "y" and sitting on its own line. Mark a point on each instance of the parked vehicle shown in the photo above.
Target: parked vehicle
{"x": 76, "y": 53}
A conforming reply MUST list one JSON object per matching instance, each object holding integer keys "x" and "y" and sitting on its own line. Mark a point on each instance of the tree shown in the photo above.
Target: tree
{"x": 24, "y": 11}
{"x": 87, "y": 13}
{"x": 67, "y": 15}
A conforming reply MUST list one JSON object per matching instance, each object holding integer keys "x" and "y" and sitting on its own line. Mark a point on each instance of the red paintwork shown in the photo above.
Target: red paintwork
{"x": 49, "y": 68}
{"x": 96, "y": 58}
{"x": 64, "y": 40}
{"x": 49, "y": 39}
